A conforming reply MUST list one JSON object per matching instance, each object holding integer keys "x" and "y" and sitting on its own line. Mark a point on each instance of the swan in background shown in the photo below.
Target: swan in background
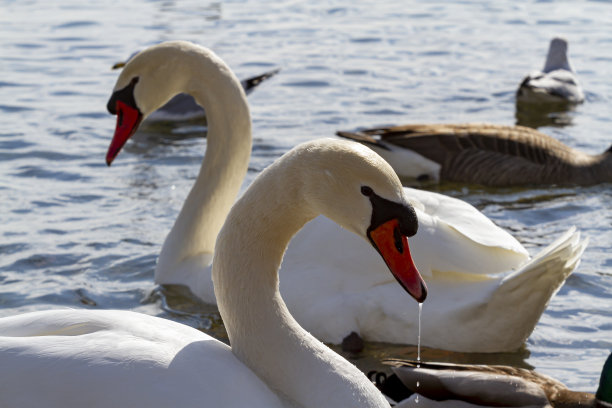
{"x": 95, "y": 358}
{"x": 556, "y": 83}
{"x": 487, "y": 154}
{"x": 183, "y": 107}
{"x": 486, "y": 294}
{"x": 470, "y": 386}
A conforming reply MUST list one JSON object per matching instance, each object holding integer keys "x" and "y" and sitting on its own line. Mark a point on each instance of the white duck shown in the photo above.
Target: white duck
{"x": 556, "y": 83}
{"x": 486, "y": 294}
{"x": 94, "y": 358}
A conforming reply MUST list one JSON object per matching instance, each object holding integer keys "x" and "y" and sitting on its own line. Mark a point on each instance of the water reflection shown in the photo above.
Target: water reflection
{"x": 536, "y": 115}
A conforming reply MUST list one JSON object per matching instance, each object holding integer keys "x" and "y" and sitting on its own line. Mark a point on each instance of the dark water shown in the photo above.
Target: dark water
{"x": 75, "y": 233}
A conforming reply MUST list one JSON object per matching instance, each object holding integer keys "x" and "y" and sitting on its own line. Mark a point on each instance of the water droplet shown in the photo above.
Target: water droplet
{"x": 419, "y": 336}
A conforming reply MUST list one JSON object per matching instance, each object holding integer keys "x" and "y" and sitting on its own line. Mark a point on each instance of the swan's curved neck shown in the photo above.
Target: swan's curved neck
{"x": 225, "y": 163}
{"x": 262, "y": 332}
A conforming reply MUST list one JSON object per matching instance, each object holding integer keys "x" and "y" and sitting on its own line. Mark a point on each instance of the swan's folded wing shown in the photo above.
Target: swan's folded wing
{"x": 455, "y": 237}
{"x": 467, "y": 220}
{"x": 106, "y": 358}
{"x": 545, "y": 273}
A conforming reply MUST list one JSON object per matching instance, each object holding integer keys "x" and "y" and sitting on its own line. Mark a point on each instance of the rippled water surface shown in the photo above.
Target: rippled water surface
{"x": 75, "y": 233}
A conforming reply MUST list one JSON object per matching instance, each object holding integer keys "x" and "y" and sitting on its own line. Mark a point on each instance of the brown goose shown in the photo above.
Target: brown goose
{"x": 492, "y": 155}
{"x": 466, "y": 385}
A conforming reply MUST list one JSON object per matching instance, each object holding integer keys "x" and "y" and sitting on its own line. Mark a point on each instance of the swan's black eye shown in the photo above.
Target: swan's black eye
{"x": 366, "y": 191}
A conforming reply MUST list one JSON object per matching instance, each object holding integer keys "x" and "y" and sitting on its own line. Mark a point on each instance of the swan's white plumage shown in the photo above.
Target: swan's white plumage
{"x": 482, "y": 313}
{"x": 458, "y": 249}
{"x": 91, "y": 358}
{"x": 119, "y": 358}
{"x": 308, "y": 181}
{"x": 490, "y": 298}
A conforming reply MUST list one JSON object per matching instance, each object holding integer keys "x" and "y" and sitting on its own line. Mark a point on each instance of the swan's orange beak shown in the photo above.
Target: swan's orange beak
{"x": 128, "y": 120}
{"x": 393, "y": 246}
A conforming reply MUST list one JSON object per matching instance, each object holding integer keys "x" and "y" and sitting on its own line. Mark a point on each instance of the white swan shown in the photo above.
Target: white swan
{"x": 474, "y": 267}
{"x": 88, "y": 358}
{"x": 556, "y": 83}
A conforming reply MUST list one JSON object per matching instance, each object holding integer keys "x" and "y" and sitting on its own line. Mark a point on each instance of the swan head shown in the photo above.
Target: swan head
{"x": 352, "y": 185}
{"x": 149, "y": 80}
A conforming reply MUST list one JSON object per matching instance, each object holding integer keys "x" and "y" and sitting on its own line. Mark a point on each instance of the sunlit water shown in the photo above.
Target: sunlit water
{"x": 78, "y": 234}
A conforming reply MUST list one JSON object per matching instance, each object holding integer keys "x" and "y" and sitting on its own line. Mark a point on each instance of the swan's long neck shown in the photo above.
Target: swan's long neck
{"x": 223, "y": 169}
{"x": 262, "y": 332}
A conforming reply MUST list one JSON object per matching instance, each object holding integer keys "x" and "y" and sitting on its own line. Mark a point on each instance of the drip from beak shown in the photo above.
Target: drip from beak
{"x": 393, "y": 247}
{"x": 128, "y": 120}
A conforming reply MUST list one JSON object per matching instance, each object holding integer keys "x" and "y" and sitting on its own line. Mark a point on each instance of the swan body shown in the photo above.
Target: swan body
{"x": 73, "y": 358}
{"x": 484, "y": 290}
{"x": 107, "y": 358}
{"x": 465, "y": 311}
{"x": 470, "y": 386}
{"x": 556, "y": 83}
{"x": 459, "y": 250}
{"x": 492, "y": 155}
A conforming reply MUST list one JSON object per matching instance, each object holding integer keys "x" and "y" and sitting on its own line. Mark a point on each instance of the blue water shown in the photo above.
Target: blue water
{"x": 78, "y": 234}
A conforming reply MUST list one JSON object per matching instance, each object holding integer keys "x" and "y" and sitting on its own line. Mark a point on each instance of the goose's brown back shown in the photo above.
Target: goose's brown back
{"x": 494, "y": 155}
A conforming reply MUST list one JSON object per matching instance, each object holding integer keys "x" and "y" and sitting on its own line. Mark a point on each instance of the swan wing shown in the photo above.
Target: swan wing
{"x": 498, "y": 314}
{"x": 455, "y": 237}
{"x": 118, "y": 358}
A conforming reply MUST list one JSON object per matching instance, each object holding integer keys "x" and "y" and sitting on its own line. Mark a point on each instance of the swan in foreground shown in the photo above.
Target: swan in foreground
{"x": 91, "y": 358}
{"x": 556, "y": 83}
{"x": 471, "y": 386}
{"x": 479, "y": 153}
{"x": 183, "y": 107}
{"x": 486, "y": 293}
